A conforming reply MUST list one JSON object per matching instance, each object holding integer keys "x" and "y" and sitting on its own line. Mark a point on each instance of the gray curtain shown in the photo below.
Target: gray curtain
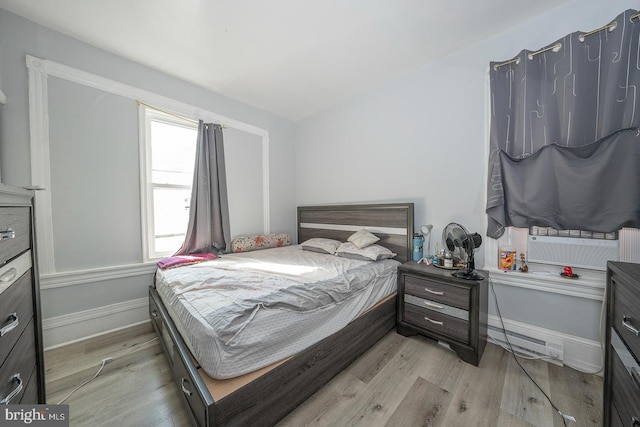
{"x": 208, "y": 229}
{"x": 564, "y": 140}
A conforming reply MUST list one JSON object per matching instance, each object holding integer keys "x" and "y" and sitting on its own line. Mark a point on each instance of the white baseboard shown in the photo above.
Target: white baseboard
{"x": 69, "y": 328}
{"x": 579, "y": 353}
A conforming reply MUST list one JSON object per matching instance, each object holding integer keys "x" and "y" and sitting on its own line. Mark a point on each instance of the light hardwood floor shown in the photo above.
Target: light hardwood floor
{"x": 399, "y": 382}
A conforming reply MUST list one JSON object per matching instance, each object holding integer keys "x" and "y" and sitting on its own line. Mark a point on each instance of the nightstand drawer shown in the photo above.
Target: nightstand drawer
{"x": 15, "y": 235}
{"x": 445, "y": 293}
{"x": 437, "y": 307}
{"x": 437, "y": 322}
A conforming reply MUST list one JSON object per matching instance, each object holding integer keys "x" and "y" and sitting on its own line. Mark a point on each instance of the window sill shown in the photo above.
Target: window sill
{"x": 583, "y": 287}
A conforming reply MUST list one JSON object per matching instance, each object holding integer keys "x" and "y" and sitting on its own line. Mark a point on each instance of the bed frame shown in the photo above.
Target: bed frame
{"x": 264, "y": 397}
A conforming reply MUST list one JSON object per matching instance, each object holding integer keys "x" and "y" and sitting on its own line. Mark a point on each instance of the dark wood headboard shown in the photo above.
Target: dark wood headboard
{"x": 391, "y": 222}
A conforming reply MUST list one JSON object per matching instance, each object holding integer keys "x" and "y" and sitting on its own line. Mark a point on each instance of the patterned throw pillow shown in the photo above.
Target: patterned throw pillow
{"x": 259, "y": 241}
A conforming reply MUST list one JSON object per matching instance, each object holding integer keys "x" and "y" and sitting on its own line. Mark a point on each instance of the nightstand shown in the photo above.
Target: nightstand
{"x": 433, "y": 303}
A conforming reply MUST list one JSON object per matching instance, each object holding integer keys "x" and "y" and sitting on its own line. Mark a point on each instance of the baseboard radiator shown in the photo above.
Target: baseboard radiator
{"x": 529, "y": 345}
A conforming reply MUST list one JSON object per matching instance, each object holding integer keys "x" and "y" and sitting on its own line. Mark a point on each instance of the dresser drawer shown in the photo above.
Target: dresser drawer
{"x": 625, "y": 382}
{"x": 30, "y": 392}
{"x": 626, "y": 313}
{"x": 439, "y": 323}
{"x": 15, "y": 233}
{"x": 445, "y": 293}
{"x": 16, "y": 369}
{"x": 16, "y": 311}
{"x": 614, "y": 418}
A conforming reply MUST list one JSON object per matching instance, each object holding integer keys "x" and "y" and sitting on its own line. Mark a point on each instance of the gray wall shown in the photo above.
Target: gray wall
{"x": 94, "y": 159}
{"x": 422, "y": 137}
{"x": 94, "y": 171}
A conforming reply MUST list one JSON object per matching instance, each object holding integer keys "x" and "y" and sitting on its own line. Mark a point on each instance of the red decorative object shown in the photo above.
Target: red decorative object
{"x": 568, "y": 272}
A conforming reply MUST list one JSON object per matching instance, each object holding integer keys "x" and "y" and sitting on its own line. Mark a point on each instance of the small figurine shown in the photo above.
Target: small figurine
{"x": 523, "y": 267}
{"x": 568, "y": 272}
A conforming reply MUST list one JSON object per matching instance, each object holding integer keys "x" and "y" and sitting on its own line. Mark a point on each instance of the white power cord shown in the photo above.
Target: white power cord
{"x": 565, "y": 417}
{"x": 104, "y": 362}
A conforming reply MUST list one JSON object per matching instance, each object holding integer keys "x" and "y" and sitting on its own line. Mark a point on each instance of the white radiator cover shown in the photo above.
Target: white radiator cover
{"x": 577, "y": 252}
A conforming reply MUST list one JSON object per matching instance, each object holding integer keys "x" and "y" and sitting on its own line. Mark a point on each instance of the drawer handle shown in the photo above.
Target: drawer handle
{"x": 15, "y": 392}
{"x": 435, "y": 322}
{"x": 7, "y": 234}
{"x": 154, "y": 313}
{"x": 184, "y": 389}
{"x": 432, "y": 305}
{"x": 626, "y": 322}
{"x": 434, "y": 292}
{"x": 11, "y": 326}
{"x": 9, "y": 275}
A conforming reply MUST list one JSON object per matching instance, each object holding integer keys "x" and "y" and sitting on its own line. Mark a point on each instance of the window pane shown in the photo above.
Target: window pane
{"x": 172, "y": 146}
{"x": 172, "y": 150}
{"x": 177, "y": 178}
{"x": 171, "y": 208}
{"x": 168, "y": 244}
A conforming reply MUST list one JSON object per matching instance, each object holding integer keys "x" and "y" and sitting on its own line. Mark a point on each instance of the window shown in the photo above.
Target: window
{"x": 167, "y": 152}
{"x": 550, "y": 248}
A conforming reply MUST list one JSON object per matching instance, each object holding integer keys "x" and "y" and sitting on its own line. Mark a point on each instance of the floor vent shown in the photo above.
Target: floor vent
{"x": 532, "y": 346}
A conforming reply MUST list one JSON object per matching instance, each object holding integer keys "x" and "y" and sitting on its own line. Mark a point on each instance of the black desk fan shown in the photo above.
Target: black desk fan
{"x": 462, "y": 244}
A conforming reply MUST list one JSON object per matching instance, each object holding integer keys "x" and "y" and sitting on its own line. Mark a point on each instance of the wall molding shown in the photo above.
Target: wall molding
{"x": 39, "y": 70}
{"x": 69, "y": 328}
{"x": 81, "y": 277}
{"x": 40, "y": 162}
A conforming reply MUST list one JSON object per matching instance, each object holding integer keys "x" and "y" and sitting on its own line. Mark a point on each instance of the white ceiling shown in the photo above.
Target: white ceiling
{"x": 289, "y": 57}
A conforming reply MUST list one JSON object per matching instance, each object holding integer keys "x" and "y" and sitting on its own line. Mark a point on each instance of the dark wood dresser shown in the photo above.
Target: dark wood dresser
{"x": 622, "y": 370}
{"x": 433, "y": 303}
{"x": 21, "y": 347}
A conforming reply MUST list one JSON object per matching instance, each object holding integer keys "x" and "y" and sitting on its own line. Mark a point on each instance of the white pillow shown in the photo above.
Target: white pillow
{"x": 363, "y": 238}
{"x": 322, "y": 245}
{"x": 370, "y": 253}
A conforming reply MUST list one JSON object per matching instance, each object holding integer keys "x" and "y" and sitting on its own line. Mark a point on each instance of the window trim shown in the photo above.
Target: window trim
{"x": 147, "y": 216}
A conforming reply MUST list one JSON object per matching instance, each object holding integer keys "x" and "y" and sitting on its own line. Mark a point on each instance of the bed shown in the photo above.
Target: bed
{"x": 265, "y": 395}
